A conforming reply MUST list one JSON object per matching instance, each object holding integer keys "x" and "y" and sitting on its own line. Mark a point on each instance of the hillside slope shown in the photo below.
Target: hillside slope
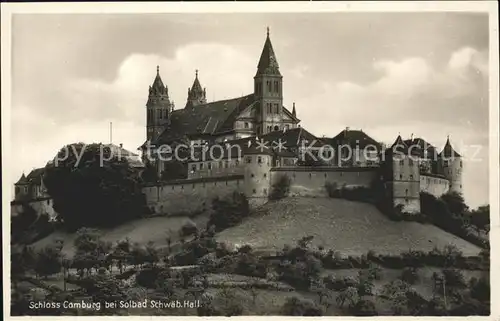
{"x": 154, "y": 229}
{"x": 351, "y": 228}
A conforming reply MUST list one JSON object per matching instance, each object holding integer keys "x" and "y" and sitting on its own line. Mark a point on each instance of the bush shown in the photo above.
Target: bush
{"x": 357, "y": 193}
{"x": 480, "y": 289}
{"x": 454, "y": 278}
{"x": 189, "y": 229}
{"x": 229, "y": 211}
{"x": 281, "y": 188}
{"x": 410, "y": 275}
{"x": 364, "y": 308}
{"x": 298, "y": 307}
{"x": 92, "y": 186}
{"x": 147, "y": 277}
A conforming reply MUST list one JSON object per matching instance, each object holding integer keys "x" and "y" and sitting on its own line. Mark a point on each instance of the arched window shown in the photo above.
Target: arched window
{"x": 276, "y": 128}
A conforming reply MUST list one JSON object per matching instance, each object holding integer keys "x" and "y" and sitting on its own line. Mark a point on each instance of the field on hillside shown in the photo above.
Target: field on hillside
{"x": 352, "y": 228}
{"x": 145, "y": 230}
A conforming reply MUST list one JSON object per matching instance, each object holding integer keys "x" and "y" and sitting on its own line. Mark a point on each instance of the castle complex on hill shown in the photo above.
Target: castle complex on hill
{"x": 247, "y": 143}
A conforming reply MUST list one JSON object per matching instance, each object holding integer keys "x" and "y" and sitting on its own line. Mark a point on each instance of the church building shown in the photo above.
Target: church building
{"x": 255, "y": 114}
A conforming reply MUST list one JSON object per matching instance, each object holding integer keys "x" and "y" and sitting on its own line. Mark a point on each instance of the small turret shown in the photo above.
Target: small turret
{"x": 451, "y": 165}
{"x": 21, "y": 188}
{"x": 196, "y": 94}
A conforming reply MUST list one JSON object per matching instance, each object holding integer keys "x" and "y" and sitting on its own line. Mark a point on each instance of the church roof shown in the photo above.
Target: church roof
{"x": 196, "y": 88}
{"x": 203, "y": 119}
{"x": 22, "y": 180}
{"x": 268, "y": 64}
{"x": 354, "y": 138}
{"x": 158, "y": 88}
{"x": 448, "y": 151}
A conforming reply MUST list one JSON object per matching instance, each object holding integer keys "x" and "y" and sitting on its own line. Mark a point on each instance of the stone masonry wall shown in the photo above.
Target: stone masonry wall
{"x": 190, "y": 195}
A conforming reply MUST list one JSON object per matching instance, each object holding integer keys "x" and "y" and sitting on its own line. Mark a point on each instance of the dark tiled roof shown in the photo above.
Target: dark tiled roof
{"x": 22, "y": 180}
{"x": 35, "y": 176}
{"x": 158, "y": 88}
{"x": 196, "y": 88}
{"x": 206, "y": 119}
{"x": 399, "y": 146}
{"x": 448, "y": 151}
{"x": 354, "y": 138}
{"x": 419, "y": 145}
{"x": 292, "y": 138}
{"x": 268, "y": 64}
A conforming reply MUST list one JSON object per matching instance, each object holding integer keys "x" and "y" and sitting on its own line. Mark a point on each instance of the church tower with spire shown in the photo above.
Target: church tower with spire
{"x": 196, "y": 95}
{"x": 158, "y": 108}
{"x": 268, "y": 91}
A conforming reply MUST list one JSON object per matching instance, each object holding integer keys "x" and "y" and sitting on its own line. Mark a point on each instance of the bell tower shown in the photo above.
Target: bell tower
{"x": 268, "y": 91}
{"x": 196, "y": 95}
{"x": 158, "y": 108}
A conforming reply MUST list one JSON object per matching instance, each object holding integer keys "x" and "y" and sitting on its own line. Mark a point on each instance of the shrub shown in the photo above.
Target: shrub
{"x": 480, "y": 289}
{"x": 281, "y": 188}
{"x": 189, "y": 228}
{"x": 410, "y": 275}
{"x": 299, "y": 307}
{"x": 229, "y": 211}
{"x": 89, "y": 192}
{"x": 364, "y": 308}
{"x": 454, "y": 278}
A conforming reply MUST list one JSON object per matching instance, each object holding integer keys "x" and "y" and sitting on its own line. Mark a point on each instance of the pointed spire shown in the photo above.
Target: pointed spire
{"x": 448, "y": 150}
{"x": 268, "y": 64}
{"x": 196, "y": 89}
{"x": 294, "y": 112}
{"x": 158, "y": 88}
{"x": 22, "y": 180}
{"x": 399, "y": 144}
{"x": 196, "y": 94}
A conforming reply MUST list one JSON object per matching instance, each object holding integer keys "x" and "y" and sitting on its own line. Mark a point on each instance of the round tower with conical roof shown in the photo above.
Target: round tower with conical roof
{"x": 451, "y": 165}
{"x": 401, "y": 174}
{"x": 21, "y": 188}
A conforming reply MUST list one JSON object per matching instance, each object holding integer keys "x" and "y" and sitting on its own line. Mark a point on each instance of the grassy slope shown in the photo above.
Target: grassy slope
{"x": 351, "y": 228}
{"x": 153, "y": 229}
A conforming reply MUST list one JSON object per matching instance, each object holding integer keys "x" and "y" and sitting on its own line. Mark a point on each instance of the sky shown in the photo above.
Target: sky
{"x": 424, "y": 74}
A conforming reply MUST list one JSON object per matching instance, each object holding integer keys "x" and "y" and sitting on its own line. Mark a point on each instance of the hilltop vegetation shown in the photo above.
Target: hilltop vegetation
{"x": 91, "y": 186}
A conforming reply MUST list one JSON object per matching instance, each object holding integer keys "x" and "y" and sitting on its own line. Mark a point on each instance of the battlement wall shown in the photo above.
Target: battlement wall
{"x": 311, "y": 181}
{"x": 190, "y": 195}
